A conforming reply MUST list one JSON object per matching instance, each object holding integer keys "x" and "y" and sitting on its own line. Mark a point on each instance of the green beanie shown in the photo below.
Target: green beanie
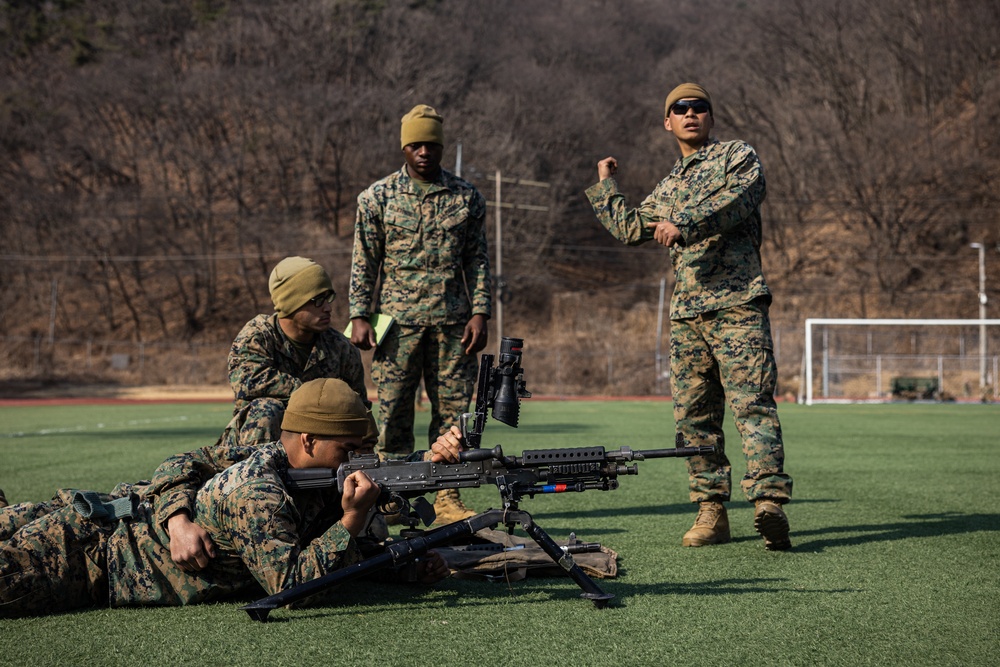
{"x": 326, "y": 406}
{"x": 686, "y": 91}
{"x": 421, "y": 125}
{"x": 294, "y": 281}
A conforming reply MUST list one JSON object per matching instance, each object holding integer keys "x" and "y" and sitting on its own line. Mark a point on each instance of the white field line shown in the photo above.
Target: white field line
{"x": 82, "y": 427}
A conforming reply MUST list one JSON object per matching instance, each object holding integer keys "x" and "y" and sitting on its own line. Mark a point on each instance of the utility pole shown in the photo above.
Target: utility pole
{"x": 981, "y": 247}
{"x": 52, "y": 311}
{"x": 499, "y": 204}
{"x": 498, "y": 267}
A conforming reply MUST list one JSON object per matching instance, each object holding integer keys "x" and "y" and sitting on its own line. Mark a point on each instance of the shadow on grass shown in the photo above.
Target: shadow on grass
{"x": 917, "y": 525}
{"x": 642, "y": 510}
{"x": 371, "y": 597}
{"x": 537, "y": 590}
{"x": 618, "y": 512}
{"x": 720, "y": 587}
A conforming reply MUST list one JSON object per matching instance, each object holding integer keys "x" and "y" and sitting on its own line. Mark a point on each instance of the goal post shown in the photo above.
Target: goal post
{"x": 876, "y": 360}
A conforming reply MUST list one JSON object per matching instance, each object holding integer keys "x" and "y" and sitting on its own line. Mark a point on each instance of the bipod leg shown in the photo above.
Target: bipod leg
{"x": 396, "y": 553}
{"x": 591, "y": 591}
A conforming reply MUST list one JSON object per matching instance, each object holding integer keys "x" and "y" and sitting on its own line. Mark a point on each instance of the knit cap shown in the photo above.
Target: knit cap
{"x": 422, "y": 124}
{"x": 685, "y": 91}
{"x": 296, "y": 280}
{"x": 326, "y": 406}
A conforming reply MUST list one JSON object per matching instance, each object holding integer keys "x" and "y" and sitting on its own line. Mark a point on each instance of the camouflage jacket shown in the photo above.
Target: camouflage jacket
{"x": 176, "y": 482}
{"x": 263, "y": 534}
{"x": 427, "y": 250}
{"x": 714, "y": 198}
{"x": 262, "y": 362}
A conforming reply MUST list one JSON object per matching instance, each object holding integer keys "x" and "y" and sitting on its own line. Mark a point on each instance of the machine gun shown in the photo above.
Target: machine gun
{"x": 541, "y": 471}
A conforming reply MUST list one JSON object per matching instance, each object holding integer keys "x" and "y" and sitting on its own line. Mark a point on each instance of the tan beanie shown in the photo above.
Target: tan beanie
{"x": 421, "y": 125}
{"x": 326, "y": 406}
{"x": 683, "y": 91}
{"x": 294, "y": 281}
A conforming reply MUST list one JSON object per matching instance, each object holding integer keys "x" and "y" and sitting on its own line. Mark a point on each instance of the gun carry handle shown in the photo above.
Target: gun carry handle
{"x": 474, "y": 455}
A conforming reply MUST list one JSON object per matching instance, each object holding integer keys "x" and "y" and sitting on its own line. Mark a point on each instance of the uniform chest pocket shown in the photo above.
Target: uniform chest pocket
{"x": 454, "y": 216}
{"x": 400, "y": 219}
{"x": 704, "y": 189}
{"x": 402, "y": 231}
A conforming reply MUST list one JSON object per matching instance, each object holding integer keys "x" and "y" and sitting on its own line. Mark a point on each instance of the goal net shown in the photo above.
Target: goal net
{"x": 880, "y": 360}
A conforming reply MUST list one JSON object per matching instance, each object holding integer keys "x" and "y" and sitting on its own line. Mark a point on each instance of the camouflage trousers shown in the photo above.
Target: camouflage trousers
{"x": 406, "y": 355}
{"x": 54, "y": 560}
{"x": 719, "y": 358}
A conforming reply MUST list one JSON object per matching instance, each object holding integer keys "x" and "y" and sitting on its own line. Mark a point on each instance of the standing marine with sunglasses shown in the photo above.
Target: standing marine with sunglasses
{"x": 707, "y": 212}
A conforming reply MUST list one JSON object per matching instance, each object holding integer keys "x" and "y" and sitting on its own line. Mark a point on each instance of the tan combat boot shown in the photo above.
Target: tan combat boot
{"x": 772, "y": 524}
{"x": 711, "y": 526}
{"x": 449, "y": 508}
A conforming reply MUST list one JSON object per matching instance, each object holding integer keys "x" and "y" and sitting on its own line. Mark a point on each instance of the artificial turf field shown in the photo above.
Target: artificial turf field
{"x": 895, "y": 559}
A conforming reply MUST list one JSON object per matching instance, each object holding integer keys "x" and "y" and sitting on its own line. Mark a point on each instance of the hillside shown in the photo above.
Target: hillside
{"x": 157, "y": 159}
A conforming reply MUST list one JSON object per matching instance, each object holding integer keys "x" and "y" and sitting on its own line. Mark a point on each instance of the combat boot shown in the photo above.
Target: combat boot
{"x": 3, "y": 499}
{"x": 449, "y": 508}
{"x": 772, "y": 524}
{"x": 711, "y": 526}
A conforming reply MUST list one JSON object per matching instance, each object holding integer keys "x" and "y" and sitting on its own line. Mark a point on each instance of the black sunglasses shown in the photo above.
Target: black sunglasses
{"x": 325, "y": 297}
{"x": 698, "y": 106}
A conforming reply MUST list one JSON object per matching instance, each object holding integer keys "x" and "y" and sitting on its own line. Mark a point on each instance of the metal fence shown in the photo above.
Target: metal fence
{"x": 583, "y": 369}
{"x": 871, "y": 377}
{"x": 580, "y": 370}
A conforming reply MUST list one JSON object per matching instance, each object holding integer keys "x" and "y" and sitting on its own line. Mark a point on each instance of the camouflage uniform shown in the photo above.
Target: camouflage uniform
{"x": 177, "y": 481}
{"x": 264, "y": 535}
{"x": 720, "y": 346}
{"x": 427, "y": 249}
{"x": 265, "y": 366}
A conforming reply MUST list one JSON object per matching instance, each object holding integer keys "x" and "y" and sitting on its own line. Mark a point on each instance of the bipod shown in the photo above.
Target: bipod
{"x": 409, "y": 550}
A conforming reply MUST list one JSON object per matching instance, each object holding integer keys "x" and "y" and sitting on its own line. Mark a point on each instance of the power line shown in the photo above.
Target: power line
{"x": 170, "y": 258}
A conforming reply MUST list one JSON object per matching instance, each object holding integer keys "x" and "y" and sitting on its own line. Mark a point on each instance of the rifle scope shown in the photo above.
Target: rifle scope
{"x": 507, "y": 404}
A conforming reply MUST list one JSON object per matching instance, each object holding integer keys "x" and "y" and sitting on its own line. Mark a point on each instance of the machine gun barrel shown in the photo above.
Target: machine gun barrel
{"x": 628, "y": 454}
{"x": 579, "y": 466}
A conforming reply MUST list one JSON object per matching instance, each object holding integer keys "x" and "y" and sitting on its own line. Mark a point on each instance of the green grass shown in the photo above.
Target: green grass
{"x": 895, "y": 529}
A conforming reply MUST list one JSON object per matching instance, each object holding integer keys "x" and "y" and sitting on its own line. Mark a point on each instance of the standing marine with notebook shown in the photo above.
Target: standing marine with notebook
{"x": 420, "y": 257}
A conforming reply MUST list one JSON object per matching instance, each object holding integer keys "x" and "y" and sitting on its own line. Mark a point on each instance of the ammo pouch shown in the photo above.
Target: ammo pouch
{"x": 497, "y": 556}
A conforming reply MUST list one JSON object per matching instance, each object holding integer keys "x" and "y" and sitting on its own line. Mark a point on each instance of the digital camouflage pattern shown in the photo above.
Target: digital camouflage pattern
{"x": 265, "y": 537}
{"x": 13, "y": 517}
{"x": 449, "y": 375}
{"x": 175, "y": 484}
{"x": 425, "y": 247}
{"x": 265, "y": 366}
{"x": 54, "y": 563}
{"x": 734, "y": 345}
{"x": 720, "y": 346}
{"x": 713, "y": 197}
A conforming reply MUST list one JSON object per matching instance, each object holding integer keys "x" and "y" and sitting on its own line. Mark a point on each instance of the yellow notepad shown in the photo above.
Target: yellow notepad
{"x": 380, "y": 323}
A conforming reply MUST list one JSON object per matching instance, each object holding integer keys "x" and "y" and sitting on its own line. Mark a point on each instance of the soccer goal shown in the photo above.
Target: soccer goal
{"x": 879, "y": 360}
